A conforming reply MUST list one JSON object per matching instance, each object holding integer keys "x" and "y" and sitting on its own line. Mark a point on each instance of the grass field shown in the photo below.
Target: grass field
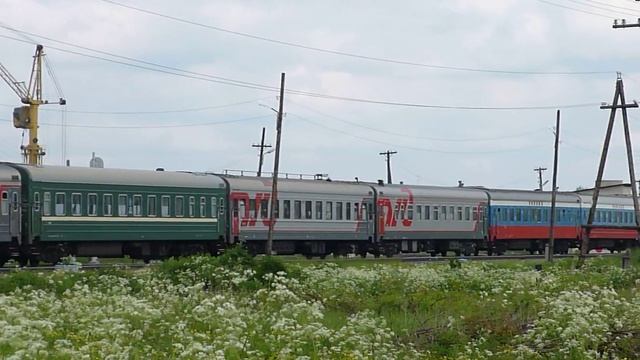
{"x": 236, "y": 307}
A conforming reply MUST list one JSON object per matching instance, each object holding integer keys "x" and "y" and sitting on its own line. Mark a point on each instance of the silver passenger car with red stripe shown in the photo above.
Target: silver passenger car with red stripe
{"x": 312, "y": 217}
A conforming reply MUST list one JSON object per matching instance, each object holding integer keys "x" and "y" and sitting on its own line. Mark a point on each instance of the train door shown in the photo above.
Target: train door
{"x": 368, "y": 217}
{"x": 14, "y": 213}
{"x": 5, "y": 207}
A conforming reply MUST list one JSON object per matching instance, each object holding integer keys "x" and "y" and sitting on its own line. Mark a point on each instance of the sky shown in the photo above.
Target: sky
{"x": 531, "y": 53}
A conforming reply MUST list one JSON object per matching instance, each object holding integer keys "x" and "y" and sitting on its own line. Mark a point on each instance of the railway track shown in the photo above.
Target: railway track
{"x": 408, "y": 258}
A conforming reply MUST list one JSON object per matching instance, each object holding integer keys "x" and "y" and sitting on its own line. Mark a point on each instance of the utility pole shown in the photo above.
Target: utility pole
{"x": 551, "y": 246}
{"x": 618, "y": 103}
{"x": 388, "y": 154}
{"x": 540, "y": 183}
{"x": 276, "y": 164}
{"x": 261, "y": 146}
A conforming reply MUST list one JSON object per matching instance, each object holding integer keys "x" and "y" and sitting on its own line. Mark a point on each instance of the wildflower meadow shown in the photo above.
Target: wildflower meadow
{"x": 238, "y": 307}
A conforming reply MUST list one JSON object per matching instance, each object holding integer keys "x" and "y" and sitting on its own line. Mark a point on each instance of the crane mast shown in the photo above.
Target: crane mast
{"x": 26, "y": 117}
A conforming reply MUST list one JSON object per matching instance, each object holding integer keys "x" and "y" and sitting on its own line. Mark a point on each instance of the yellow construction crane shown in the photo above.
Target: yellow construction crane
{"x": 26, "y": 117}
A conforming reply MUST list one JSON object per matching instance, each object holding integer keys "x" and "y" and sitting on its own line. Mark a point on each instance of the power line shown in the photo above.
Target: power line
{"x": 475, "y": 139}
{"x": 575, "y": 9}
{"x": 212, "y": 78}
{"x": 406, "y": 146}
{"x": 157, "y": 126}
{"x": 602, "y": 8}
{"x": 147, "y": 112}
{"x": 349, "y": 54}
{"x": 612, "y": 6}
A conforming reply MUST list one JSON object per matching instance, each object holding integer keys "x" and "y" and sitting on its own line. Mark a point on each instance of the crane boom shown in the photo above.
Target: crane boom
{"x": 15, "y": 85}
{"x": 26, "y": 117}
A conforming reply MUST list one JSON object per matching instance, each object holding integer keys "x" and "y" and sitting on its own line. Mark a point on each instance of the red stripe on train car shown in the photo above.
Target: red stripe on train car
{"x": 600, "y": 233}
{"x": 532, "y": 232}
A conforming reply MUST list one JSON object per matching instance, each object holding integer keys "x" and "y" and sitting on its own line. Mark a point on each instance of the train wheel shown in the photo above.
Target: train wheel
{"x": 443, "y": 253}
{"x": 34, "y": 261}
{"x": 23, "y": 261}
{"x": 3, "y": 260}
{"x": 457, "y": 252}
{"x": 489, "y": 252}
{"x": 433, "y": 254}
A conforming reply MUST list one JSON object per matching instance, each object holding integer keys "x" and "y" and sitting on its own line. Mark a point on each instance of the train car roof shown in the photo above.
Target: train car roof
{"x": 528, "y": 195}
{"x": 8, "y": 174}
{"x": 252, "y": 183}
{"x": 609, "y": 199}
{"x": 431, "y": 191}
{"x": 81, "y": 175}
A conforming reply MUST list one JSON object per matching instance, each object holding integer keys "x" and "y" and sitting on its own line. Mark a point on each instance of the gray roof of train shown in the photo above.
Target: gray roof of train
{"x": 431, "y": 191}
{"x": 78, "y": 175}
{"x": 7, "y": 174}
{"x": 251, "y": 183}
{"x": 528, "y": 195}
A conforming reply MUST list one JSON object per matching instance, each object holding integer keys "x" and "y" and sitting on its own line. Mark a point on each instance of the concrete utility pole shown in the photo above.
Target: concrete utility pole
{"x": 554, "y": 190}
{"x": 540, "y": 183}
{"x": 618, "y": 97}
{"x": 276, "y": 164}
{"x": 388, "y": 154}
{"x": 261, "y": 146}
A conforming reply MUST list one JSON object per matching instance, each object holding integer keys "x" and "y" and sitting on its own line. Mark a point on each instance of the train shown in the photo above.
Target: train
{"x": 49, "y": 212}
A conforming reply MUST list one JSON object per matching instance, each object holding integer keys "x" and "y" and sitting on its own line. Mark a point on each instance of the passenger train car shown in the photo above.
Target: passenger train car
{"x": 50, "y": 212}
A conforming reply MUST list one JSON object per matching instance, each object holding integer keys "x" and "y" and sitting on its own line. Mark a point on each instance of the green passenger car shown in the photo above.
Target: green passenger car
{"x": 114, "y": 212}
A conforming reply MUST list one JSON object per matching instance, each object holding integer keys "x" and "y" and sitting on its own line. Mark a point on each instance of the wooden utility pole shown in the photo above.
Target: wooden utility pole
{"x": 388, "y": 154}
{"x": 554, "y": 190}
{"x": 540, "y": 183}
{"x": 261, "y": 146}
{"x": 276, "y": 164}
{"x": 617, "y": 97}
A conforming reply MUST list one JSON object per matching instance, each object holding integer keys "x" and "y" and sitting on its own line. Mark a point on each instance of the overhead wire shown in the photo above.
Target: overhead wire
{"x": 474, "y": 139}
{"x": 610, "y": 5}
{"x": 208, "y": 78}
{"x": 586, "y": 4}
{"x": 576, "y": 9}
{"x": 156, "y": 112}
{"x": 165, "y": 126}
{"x": 407, "y": 146}
{"x": 348, "y": 54}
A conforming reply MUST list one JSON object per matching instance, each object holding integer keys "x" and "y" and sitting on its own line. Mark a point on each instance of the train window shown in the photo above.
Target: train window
{"x": 427, "y": 212}
{"x": 435, "y": 213}
{"x": 264, "y": 208}
{"x": 396, "y": 212}
{"x": 286, "y": 205}
{"x": 15, "y": 202}
{"x": 467, "y": 213}
{"x": 220, "y": 208}
{"x": 276, "y": 209}
{"x": 452, "y": 210}
{"x": 308, "y": 211}
{"x": 137, "y": 205}
{"x": 214, "y": 207}
{"x": 356, "y": 213}
{"x": 443, "y": 213}
{"x": 329, "y": 210}
{"x": 619, "y": 216}
{"x": 76, "y": 204}
{"x": 36, "y": 201}
{"x": 60, "y": 204}
{"x": 318, "y": 210}
{"x": 107, "y": 205}
{"x": 347, "y": 212}
{"x": 152, "y": 206}
{"x": 164, "y": 206}
{"x": 122, "y": 205}
{"x": 297, "y": 209}
{"x": 475, "y": 213}
{"x": 46, "y": 204}
{"x": 179, "y": 206}
{"x": 519, "y": 215}
{"x": 410, "y": 212}
{"x": 4, "y": 203}
{"x": 92, "y": 204}
{"x": 203, "y": 206}
{"x": 460, "y": 213}
{"x": 339, "y": 210}
{"x": 418, "y": 212}
{"x": 192, "y": 206}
